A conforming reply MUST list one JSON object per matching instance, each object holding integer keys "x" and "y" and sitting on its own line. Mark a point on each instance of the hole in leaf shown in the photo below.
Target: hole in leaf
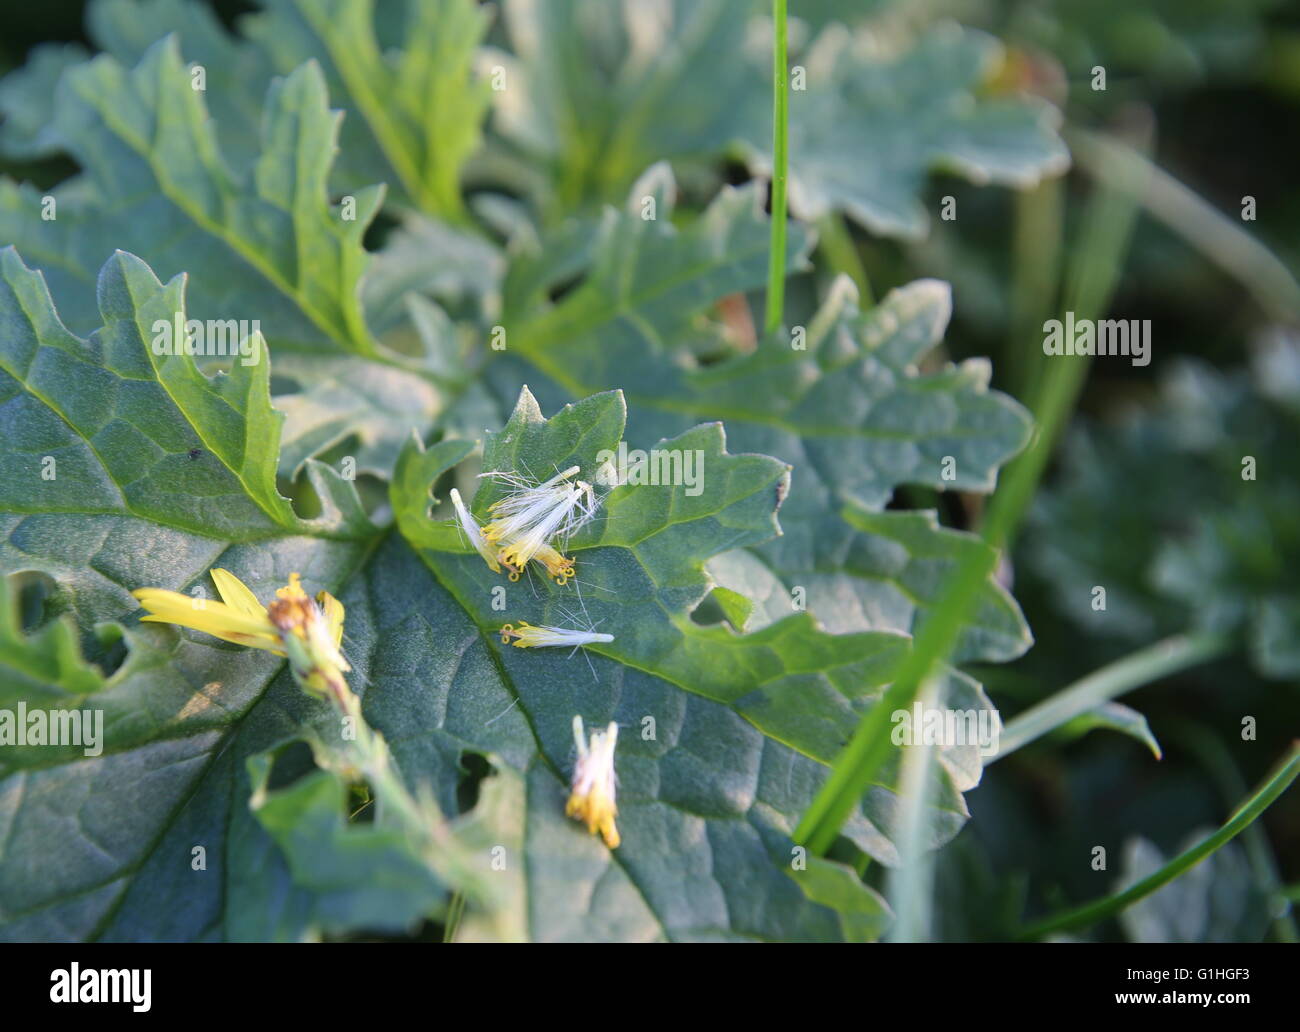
{"x": 295, "y": 761}
{"x": 441, "y": 489}
{"x": 378, "y": 231}
{"x": 333, "y": 455}
{"x": 559, "y": 291}
{"x": 301, "y": 496}
{"x": 426, "y": 931}
{"x": 361, "y": 804}
{"x": 111, "y": 652}
{"x": 473, "y": 769}
{"x": 37, "y": 597}
{"x": 230, "y": 11}
{"x": 735, "y": 173}
{"x": 292, "y": 762}
{"x": 708, "y": 612}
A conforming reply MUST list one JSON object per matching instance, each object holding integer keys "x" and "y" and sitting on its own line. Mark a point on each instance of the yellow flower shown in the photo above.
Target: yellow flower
{"x": 592, "y": 797}
{"x": 307, "y": 632}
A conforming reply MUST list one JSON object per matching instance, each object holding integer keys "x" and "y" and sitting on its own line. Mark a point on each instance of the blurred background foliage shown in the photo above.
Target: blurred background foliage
{"x": 1144, "y": 496}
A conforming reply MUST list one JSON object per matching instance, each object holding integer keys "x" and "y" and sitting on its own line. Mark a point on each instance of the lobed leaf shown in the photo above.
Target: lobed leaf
{"x": 267, "y": 246}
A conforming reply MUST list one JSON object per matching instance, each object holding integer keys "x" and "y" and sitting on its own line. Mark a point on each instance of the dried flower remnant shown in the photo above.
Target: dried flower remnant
{"x": 528, "y": 636}
{"x": 592, "y": 799}
{"x": 518, "y": 551}
{"x": 528, "y": 521}
{"x": 469, "y": 526}
{"x": 560, "y": 567}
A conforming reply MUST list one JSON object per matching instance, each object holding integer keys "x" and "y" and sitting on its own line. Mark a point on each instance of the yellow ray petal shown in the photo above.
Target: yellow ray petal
{"x": 236, "y": 594}
{"x": 333, "y": 610}
{"x": 215, "y": 618}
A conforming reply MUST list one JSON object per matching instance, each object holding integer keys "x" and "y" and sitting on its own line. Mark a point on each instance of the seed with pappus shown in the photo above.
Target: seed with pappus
{"x": 528, "y": 522}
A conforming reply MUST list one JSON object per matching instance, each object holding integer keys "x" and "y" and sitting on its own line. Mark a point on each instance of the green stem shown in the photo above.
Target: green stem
{"x": 455, "y": 910}
{"x": 837, "y": 247}
{"x": 1220, "y": 238}
{"x": 780, "y": 162}
{"x": 1218, "y": 761}
{"x": 1090, "y": 913}
{"x": 909, "y": 884}
{"x": 1090, "y": 284}
{"x": 368, "y": 758}
{"x": 1142, "y": 667}
{"x": 1036, "y": 277}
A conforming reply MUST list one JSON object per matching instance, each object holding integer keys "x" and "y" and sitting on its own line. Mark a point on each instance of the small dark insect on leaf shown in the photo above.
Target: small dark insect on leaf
{"x": 780, "y": 491}
{"x": 195, "y": 453}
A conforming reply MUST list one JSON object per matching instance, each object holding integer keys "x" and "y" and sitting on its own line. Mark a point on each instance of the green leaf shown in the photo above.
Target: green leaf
{"x": 48, "y": 660}
{"x": 1117, "y": 717}
{"x": 183, "y": 714}
{"x": 872, "y": 123}
{"x": 422, "y": 255}
{"x": 875, "y": 570}
{"x": 268, "y": 247}
{"x": 864, "y": 914}
{"x": 745, "y": 722}
{"x": 850, "y": 411}
{"x": 419, "y": 108}
{"x": 597, "y": 91}
{"x": 841, "y": 399}
{"x": 867, "y": 127}
{"x": 301, "y": 297}
{"x": 402, "y": 72}
{"x": 27, "y": 101}
{"x": 350, "y": 875}
{"x": 657, "y": 541}
{"x": 737, "y": 608}
{"x": 731, "y": 706}
{"x": 120, "y": 423}
{"x": 594, "y": 92}
{"x": 236, "y": 74}
{"x": 847, "y": 385}
{"x": 1165, "y": 44}
{"x": 369, "y": 407}
{"x": 646, "y": 284}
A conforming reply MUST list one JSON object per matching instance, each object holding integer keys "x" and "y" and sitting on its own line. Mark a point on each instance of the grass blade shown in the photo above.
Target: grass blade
{"x": 1221, "y": 239}
{"x": 780, "y": 162}
{"x": 1142, "y": 667}
{"x": 1090, "y": 913}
